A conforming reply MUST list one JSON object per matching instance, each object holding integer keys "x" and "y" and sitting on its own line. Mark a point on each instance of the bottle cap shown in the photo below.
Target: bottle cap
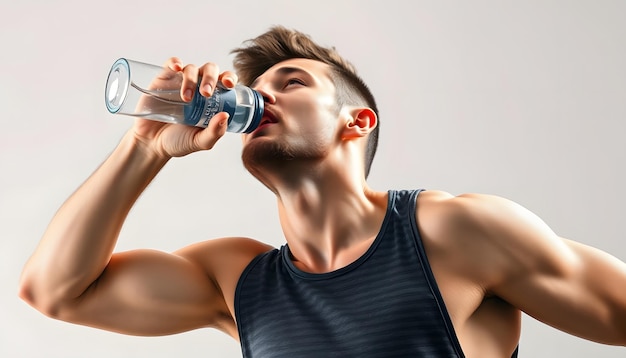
{"x": 259, "y": 108}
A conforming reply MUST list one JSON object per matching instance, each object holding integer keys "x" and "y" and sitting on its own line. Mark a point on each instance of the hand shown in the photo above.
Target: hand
{"x": 175, "y": 140}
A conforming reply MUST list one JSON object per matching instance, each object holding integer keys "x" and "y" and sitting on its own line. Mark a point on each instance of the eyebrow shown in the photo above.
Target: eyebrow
{"x": 283, "y": 71}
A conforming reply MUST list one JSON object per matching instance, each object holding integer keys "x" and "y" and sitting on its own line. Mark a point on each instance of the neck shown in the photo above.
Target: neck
{"x": 329, "y": 219}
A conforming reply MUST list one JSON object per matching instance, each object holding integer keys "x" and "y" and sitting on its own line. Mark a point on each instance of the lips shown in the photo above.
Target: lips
{"x": 268, "y": 118}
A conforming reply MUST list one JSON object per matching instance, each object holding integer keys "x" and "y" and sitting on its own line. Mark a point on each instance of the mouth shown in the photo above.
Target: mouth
{"x": 268, "y": 118}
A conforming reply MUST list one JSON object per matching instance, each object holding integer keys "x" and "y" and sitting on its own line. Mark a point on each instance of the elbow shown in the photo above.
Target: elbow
{"x": 25, "y": 292}
{"x": 38, "y": 299}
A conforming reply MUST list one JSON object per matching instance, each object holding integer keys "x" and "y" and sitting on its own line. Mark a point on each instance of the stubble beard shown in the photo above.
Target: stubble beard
{"x": 271, "y": 155}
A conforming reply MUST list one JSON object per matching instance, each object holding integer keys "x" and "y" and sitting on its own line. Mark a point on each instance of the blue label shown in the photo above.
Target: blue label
{"x": 201, "y": 109}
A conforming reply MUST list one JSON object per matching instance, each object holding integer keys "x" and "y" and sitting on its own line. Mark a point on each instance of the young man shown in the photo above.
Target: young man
{"x": 364, "y": 273}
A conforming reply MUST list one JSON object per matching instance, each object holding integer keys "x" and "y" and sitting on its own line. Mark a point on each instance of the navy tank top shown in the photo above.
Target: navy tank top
{"x": 384, "y": 304}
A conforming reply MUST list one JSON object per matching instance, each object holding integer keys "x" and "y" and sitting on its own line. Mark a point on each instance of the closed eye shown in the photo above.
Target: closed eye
{"x": 294, "y": 82}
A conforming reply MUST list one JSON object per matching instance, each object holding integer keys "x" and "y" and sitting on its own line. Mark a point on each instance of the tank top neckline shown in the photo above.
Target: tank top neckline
{"x": 286, "y": 253}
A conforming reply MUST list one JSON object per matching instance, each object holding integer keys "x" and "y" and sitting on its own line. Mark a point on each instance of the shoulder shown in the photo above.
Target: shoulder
{"x": 486, "y": 238}
{"x": 224, "y": 254}
{"x": 223, "y": 260}
{"x": 234, "y": 245}
{"x": 479, "y": 214}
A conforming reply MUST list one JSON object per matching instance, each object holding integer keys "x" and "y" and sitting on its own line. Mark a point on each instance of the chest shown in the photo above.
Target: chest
{"x": 382, "y": 305}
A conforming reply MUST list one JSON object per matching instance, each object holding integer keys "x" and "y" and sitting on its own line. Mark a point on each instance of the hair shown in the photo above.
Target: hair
{"x": 278, "y": 44}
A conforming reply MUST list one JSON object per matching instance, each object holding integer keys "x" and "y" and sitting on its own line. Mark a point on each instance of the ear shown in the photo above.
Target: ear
{"x": 362, "y": 122}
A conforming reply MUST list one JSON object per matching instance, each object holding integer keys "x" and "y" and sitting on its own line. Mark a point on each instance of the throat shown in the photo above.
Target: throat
{"x": 337, "y": 238}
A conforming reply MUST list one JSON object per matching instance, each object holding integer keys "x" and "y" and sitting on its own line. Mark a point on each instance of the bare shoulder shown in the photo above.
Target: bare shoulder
{"x": 468, "y": 206}
{"x": 444, "y": 219}
{"x": 479, "y": 214}
{"x": 223, "y": 260}
{"x": 224, "y": 248}
{"x": 486, "y": 236}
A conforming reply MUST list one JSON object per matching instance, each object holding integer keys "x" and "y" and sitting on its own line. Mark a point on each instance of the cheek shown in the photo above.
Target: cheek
{"x": 315, "y": 118}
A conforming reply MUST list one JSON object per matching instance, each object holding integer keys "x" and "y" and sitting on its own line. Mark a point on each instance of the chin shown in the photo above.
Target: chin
{"x": 261, "y": 155}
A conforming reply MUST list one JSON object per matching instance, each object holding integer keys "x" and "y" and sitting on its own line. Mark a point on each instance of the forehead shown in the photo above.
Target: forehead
{"x": 319, "y": 71}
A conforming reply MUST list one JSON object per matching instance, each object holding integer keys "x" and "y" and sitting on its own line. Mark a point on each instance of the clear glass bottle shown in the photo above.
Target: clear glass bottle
{"x": 153, "y": 92}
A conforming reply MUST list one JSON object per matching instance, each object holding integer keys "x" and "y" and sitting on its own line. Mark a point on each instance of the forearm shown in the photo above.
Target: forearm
{"x": 80, "y": 239}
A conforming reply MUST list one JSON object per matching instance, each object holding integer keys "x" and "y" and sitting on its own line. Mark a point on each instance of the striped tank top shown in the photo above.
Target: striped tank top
{"x": 384, "y": 304}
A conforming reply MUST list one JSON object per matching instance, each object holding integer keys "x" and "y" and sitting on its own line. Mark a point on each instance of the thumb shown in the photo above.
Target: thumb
{"x": 206, "y": 138}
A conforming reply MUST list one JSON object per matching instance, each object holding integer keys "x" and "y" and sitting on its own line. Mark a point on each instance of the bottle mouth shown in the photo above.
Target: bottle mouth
{"x": 117, "y": 85}
{"x": 259, "y": 108}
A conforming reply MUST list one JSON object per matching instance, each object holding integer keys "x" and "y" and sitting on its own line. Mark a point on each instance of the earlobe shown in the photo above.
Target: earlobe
{"x": 362, "y": 122}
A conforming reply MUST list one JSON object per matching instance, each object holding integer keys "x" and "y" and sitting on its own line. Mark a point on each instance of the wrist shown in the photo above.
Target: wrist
{"x": 143, "y": 148}
{"x": 139, "y": 156}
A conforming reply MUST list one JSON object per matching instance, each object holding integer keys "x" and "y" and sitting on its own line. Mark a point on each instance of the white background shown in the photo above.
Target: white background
{"x": 523, "y": 99}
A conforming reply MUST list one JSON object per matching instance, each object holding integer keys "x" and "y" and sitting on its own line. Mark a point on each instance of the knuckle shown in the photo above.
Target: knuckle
{"x": 229, "y": 78}
{"x": 210, "y": 67}
{"x": 209, "y": 71}
{"x": 174, "y": 63}
{"x": 190, "y": 72}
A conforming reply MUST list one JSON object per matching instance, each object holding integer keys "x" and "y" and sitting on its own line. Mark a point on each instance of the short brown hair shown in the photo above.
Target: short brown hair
{"x": 278, "y": 44}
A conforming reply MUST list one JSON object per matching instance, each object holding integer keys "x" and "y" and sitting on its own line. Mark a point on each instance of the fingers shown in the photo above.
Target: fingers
{"x": 229, "y": 79}
{"x": 209, "y": 75}
{"x": 206, "y": 138}
{"x": 174, "y": 64}
{"x": 206, "y": 77}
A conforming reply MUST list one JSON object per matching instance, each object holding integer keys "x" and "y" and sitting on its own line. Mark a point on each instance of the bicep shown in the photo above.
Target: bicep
{"x": 147, "y": 292}
{"x": 570, "y": 286}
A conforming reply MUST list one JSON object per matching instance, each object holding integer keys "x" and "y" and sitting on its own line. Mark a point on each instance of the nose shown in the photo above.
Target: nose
{"x": 268, "y": 96}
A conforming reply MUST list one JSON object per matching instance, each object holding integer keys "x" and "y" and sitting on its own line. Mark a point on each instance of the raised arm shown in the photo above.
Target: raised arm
{"x": 73, "y": 274}
{"x": 514, "y": 255}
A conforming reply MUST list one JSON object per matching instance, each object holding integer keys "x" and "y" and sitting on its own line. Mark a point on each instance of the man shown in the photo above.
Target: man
{"x": 363, "y": 273}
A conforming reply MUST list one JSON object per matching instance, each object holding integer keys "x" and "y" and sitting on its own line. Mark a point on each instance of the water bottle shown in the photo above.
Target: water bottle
{"x": 153, "y": 92}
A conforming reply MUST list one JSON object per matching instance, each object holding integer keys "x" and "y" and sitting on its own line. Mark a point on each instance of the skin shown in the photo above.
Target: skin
{"x": 492, "y": 259}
